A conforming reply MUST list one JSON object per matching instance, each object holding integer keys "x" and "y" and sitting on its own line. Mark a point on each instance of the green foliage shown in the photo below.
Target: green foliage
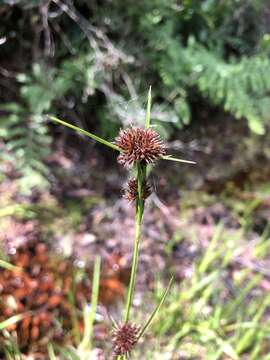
{"x": 209, "y": 58}
{"x": 84, "y": 345}
{"x": 209, "y": 48}
{"x": 212, "y": 315}
{"x": 25, "y": 132}
{"x": 240, "y": 87}
{"x": 24, "y": 127}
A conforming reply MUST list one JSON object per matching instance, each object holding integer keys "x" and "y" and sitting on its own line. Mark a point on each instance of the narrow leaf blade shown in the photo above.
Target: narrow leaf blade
{"x": 148, "y": 110}
{"x": 51, "y": 352}
{"x": 10, "y": 321}
{"x": 89, "y": 315}
{"x": 156, "y": 310}
{"x": 84, "y": 132}
{"x": 169, "y": 157}
{"x": 7, "y": 266}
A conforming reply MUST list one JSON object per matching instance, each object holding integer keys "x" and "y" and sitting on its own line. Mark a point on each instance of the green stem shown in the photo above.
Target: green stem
{"x": 141, "y": 175}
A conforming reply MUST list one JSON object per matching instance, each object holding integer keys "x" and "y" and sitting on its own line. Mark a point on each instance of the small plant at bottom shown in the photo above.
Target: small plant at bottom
{"x": 138, "y": 147}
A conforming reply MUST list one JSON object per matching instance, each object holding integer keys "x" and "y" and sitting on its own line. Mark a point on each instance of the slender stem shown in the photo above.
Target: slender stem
{"x": 141, "y": 174}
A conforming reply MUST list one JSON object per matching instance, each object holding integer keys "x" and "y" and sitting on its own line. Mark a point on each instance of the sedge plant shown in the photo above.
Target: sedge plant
{"x": 138, "y": 147}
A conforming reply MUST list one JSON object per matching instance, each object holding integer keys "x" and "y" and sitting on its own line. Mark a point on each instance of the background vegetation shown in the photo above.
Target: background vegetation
{"x": 91, "y": 63}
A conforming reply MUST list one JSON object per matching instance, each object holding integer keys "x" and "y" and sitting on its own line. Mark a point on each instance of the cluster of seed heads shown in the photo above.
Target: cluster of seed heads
{"x": 139, "y": 145}
{"x": 125, "y": 337}
{"x": 131, "y": 192}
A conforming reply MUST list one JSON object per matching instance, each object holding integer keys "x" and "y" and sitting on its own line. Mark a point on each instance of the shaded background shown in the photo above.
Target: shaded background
{"x": 91, "y": 63}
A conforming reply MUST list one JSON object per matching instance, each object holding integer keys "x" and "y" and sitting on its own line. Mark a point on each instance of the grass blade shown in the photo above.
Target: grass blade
{"x": 51, "y": 353}
{"x": 74, "y": 315}
{"x": 8, "y": 355}
{"x": 89, "y": 313}
{"x": 211, "y": 253}
{"x": 171, "y": 158}
{"x": 84, "y": 132}
{"x": 10, "y": 321}
{"x": 6, "y": 265}
{"x": 67, "y": 353}
{"x": 148, "y": 110}
{"x": 148, "y": 323}
{"x": 223, "y": 345}
{"x": 250, "y": 336}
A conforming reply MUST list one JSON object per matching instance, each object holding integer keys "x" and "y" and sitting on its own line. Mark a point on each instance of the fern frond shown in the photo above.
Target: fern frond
{"x": 241, "y": 87}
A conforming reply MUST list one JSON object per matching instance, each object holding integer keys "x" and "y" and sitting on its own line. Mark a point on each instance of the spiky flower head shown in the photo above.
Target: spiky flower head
{"x": 139, "y": 145}
{"x": 131, "y": 192}
{"x": 125, "y": 336}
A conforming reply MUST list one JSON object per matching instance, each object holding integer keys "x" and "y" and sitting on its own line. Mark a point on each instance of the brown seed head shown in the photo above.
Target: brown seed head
{"x": 125, "y": 336}
{"x": 139, "y": 145}
{"x": 131, "y": 193}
